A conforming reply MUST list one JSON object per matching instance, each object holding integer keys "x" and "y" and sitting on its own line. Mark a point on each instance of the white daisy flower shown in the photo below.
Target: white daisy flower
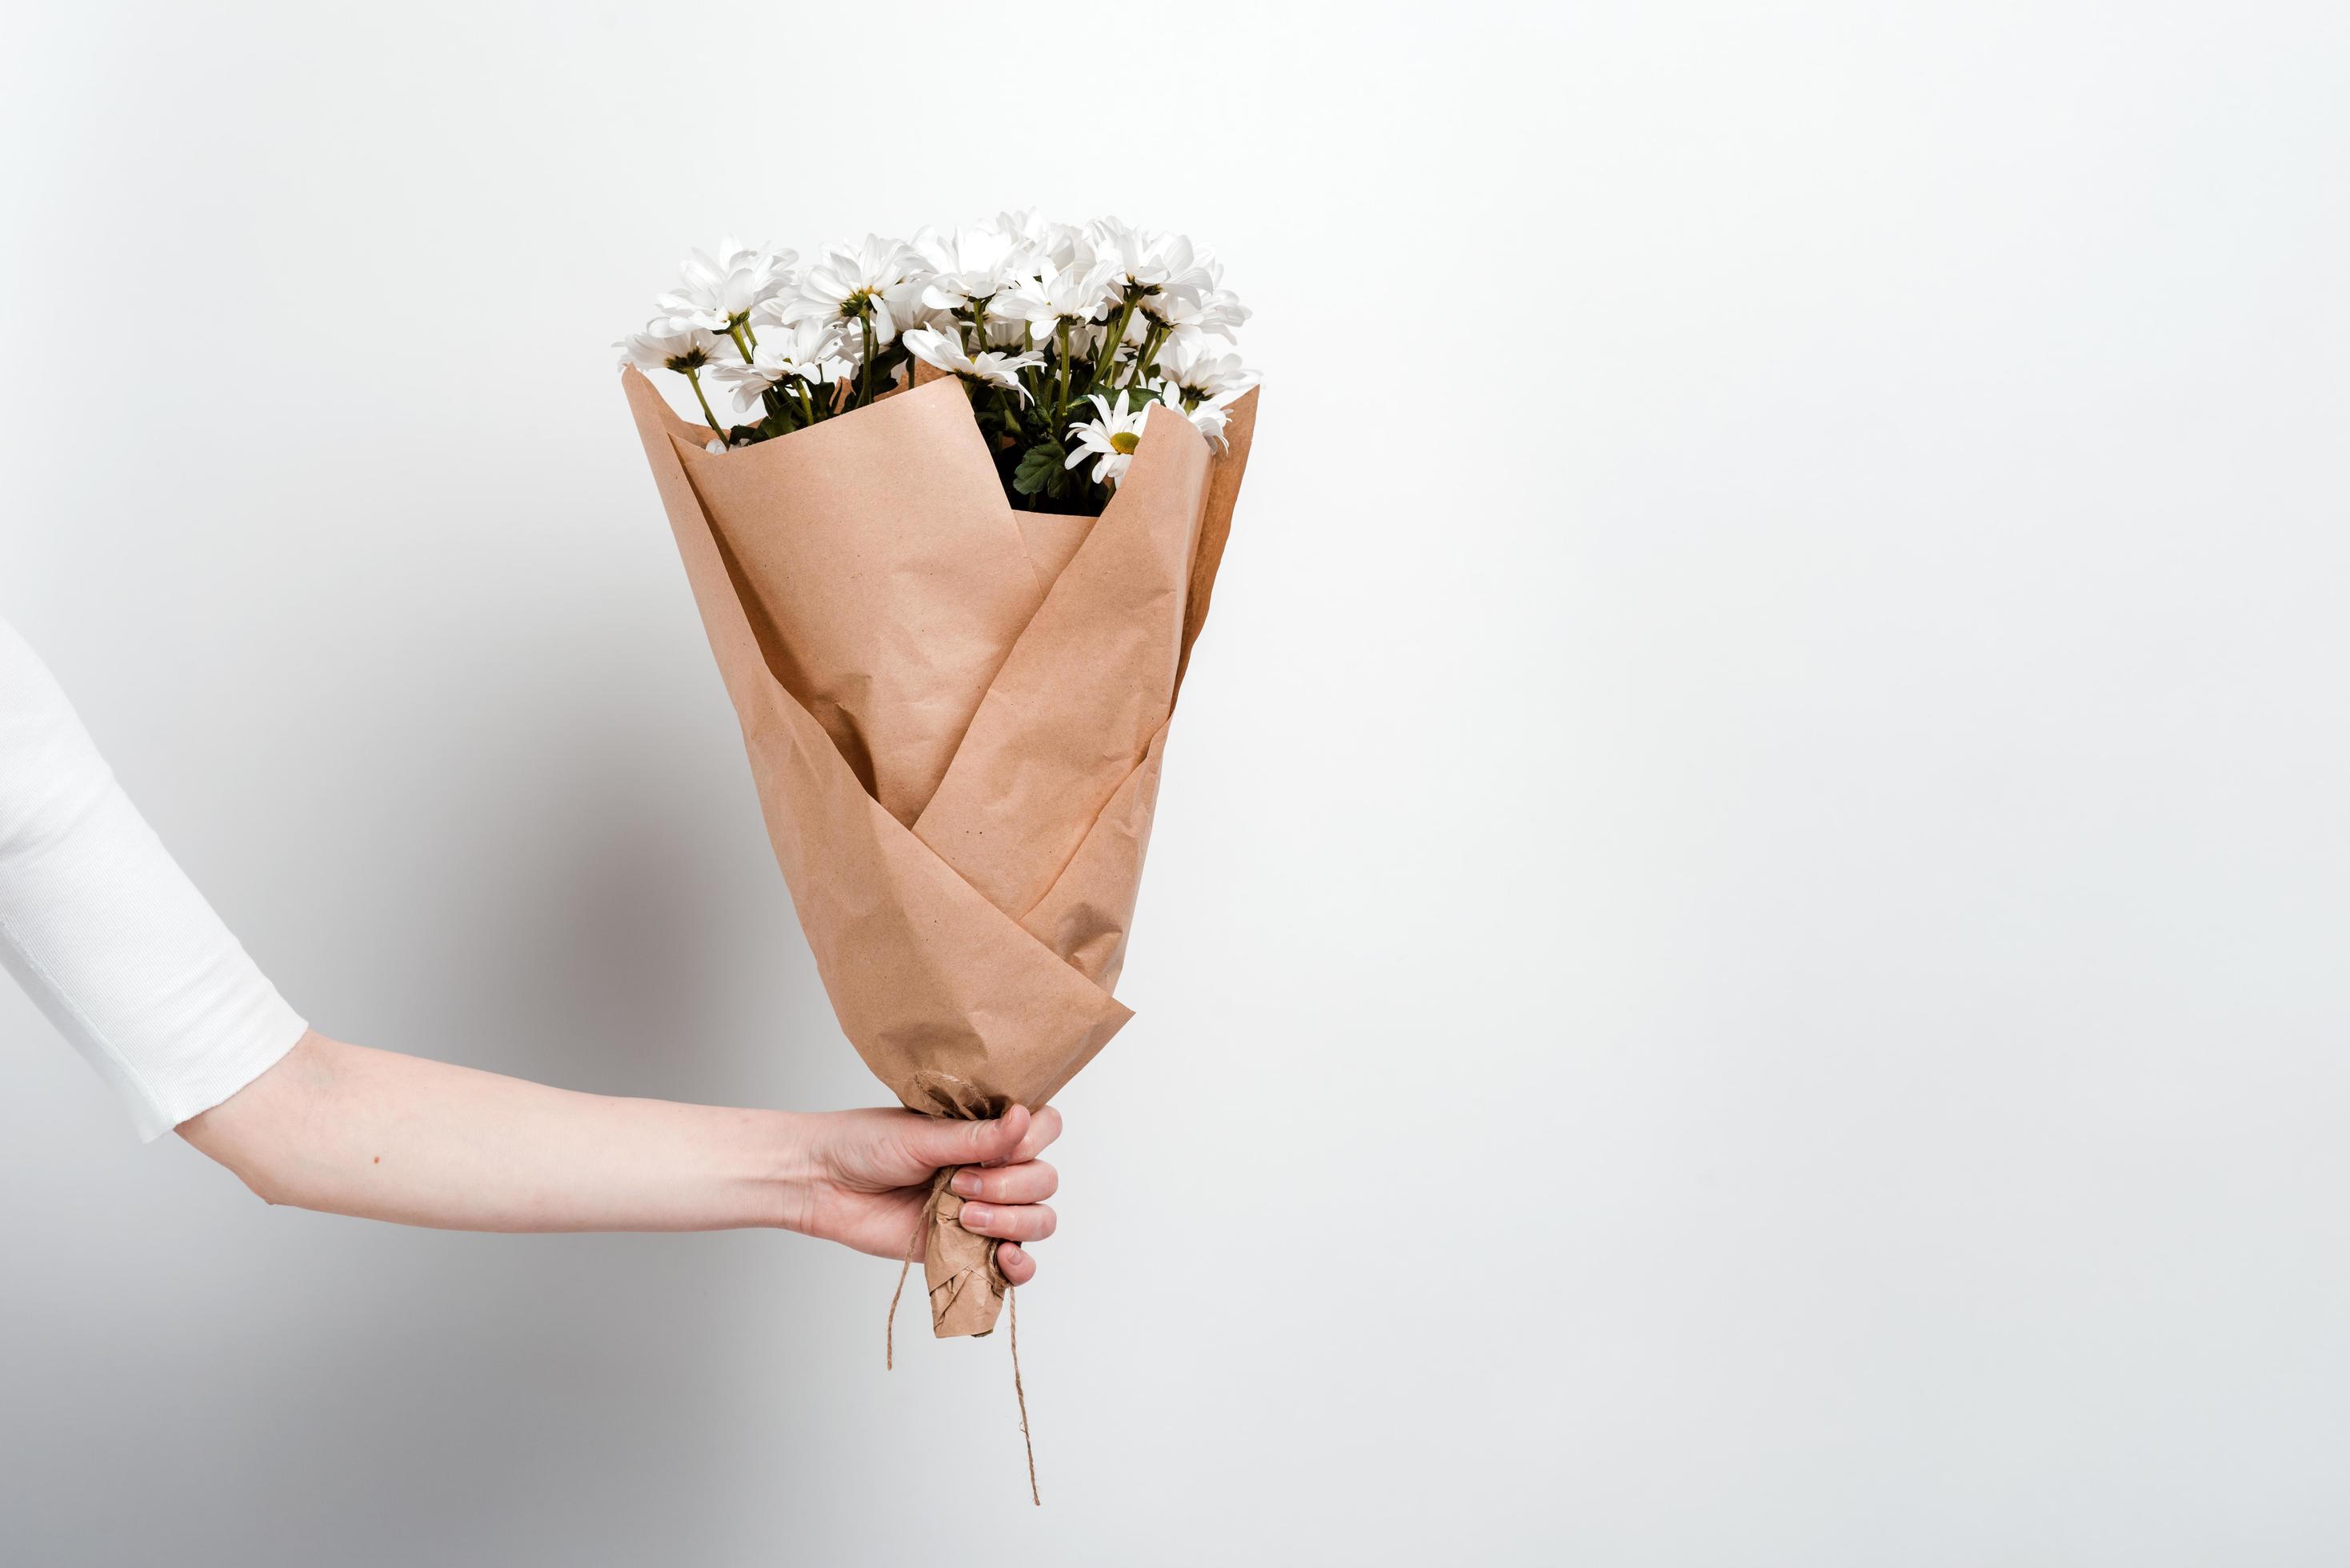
{"x": 720, "y": 291}
{"x": 971, "y": 266}
{"x": 1021, "y": 227}
{"x": 1111, "y": 438}
{"x": 1043, "y": 303}
{"x": 1195, "y": 369}
{"x": 1145, "y": 263}
{"x": 666, "y": 344}
{"x": 1189, "y": 268}
{"x": 808, "y": 351}
{"x": 1187, "y": 315}
{"x": 945, "y": 350}
{"x": 679, "y": 346}
{"x": 1003, "y": 334}
{"x": 910, "y": 307}
{"x": 880, "y": 282}
{"x": 1208, "y": 418}
{"x": 1064, "y": 246}
{"x": 1128, "y": 251}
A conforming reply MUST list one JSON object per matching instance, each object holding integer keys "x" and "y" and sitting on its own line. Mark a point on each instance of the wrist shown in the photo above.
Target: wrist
{"x": 786, "y": 1176}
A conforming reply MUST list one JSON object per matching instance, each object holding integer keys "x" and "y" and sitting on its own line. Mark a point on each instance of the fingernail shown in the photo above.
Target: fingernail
{"x": 977, "y": 1216}
{"x": 966, "y": 1182}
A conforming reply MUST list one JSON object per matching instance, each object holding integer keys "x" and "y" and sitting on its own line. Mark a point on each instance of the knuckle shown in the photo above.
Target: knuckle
{"x": 902, "y": 1151}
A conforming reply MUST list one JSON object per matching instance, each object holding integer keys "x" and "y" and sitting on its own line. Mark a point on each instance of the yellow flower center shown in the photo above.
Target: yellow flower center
{"x": 1125, "y": 441}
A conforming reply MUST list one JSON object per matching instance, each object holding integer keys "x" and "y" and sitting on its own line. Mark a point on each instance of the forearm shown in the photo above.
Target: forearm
{"x": 347, "y": 1131}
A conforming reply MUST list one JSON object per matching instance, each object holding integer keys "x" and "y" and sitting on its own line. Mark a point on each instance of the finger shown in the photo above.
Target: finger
{"x": 940, "y": 1142}
{"x": 1003, "y": 1136}
{"x": 1043, "y": 1128}
{"x": 1013, "y": 1222}
{"x": 1030, "y": 1183}
{"x": 1018, "y": 1266}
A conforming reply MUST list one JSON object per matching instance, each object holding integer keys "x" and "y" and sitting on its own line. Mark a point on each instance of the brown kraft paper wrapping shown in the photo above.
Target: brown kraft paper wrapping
{"x": 955, "y": 714}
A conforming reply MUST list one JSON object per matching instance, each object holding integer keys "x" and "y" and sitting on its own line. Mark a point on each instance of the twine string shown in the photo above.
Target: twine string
{"x": 1012, "y": 1307}
{"x": 1011, "y": 1304}
{"x": 913, "y": 1251}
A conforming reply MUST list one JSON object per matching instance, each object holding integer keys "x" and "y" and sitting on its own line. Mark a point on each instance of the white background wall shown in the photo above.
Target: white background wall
{"x": 1744, "y": 957}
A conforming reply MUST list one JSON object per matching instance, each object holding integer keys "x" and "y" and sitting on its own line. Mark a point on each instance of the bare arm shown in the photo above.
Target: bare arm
{"x": 135, "y": 968}
{"x": 347, "y": 1130}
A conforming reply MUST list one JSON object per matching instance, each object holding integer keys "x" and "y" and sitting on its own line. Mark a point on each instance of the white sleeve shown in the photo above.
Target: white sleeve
{"x": 104, "y": 929}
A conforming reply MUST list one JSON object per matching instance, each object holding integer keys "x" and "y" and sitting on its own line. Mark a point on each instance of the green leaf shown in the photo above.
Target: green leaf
{"x": 1040, "y": 470}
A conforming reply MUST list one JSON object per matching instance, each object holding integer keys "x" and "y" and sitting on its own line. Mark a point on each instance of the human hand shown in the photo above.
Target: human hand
{"x": 865, "y": 1175}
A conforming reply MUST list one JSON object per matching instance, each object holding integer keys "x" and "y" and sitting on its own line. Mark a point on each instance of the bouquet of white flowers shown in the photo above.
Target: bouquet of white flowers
{"x": 955, "y": 679}
{"x": 1063, "y": 335}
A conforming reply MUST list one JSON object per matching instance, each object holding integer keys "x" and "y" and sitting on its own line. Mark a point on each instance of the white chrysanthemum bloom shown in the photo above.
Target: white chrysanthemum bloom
{"x": 1144, "y": 262}
{"x": 1208, "y": 418}
{"x": 971, "y": 265}
{"x": 1021, "y": 227}
{"x": 1189, "y": 268}
{"x": 720, "y": 291}
{"x": 666, "y": 344}
{"x": 1005, "y": 334}
{"x": 944, "y": 350}
{"x": 808, "y": 351}
{"x": 1044, "y": 302}
{"x": 1194, "y": 368}
{"x": 910, "y": 307}
{"x": 1187, "y": 316}
{"x": 881, "y": 281}
{"x": 1131, "y": 253}
{"x": 1111, "y": 438}
{"x": 1063, "y": 246}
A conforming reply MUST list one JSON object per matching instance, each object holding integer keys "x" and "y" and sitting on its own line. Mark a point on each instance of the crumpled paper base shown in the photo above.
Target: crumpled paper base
{"x": 966, "y": 1286}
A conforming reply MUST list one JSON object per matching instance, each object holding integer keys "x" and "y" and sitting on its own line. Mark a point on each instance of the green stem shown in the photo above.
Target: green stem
{"x": 1106, "y": 362}
{"x": 1030, "y": 377}
{"x": 1152, "y": 342}
{"x": 694, "y": 379}
{"x": 738, "y": 327}
{"x": 806, "y": 403}
{"x": 1061, "y": 393}
{"x": 865, "y": 370}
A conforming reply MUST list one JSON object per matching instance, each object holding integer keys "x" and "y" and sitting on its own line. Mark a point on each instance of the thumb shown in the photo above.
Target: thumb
{"x": 945, "y": 1143}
